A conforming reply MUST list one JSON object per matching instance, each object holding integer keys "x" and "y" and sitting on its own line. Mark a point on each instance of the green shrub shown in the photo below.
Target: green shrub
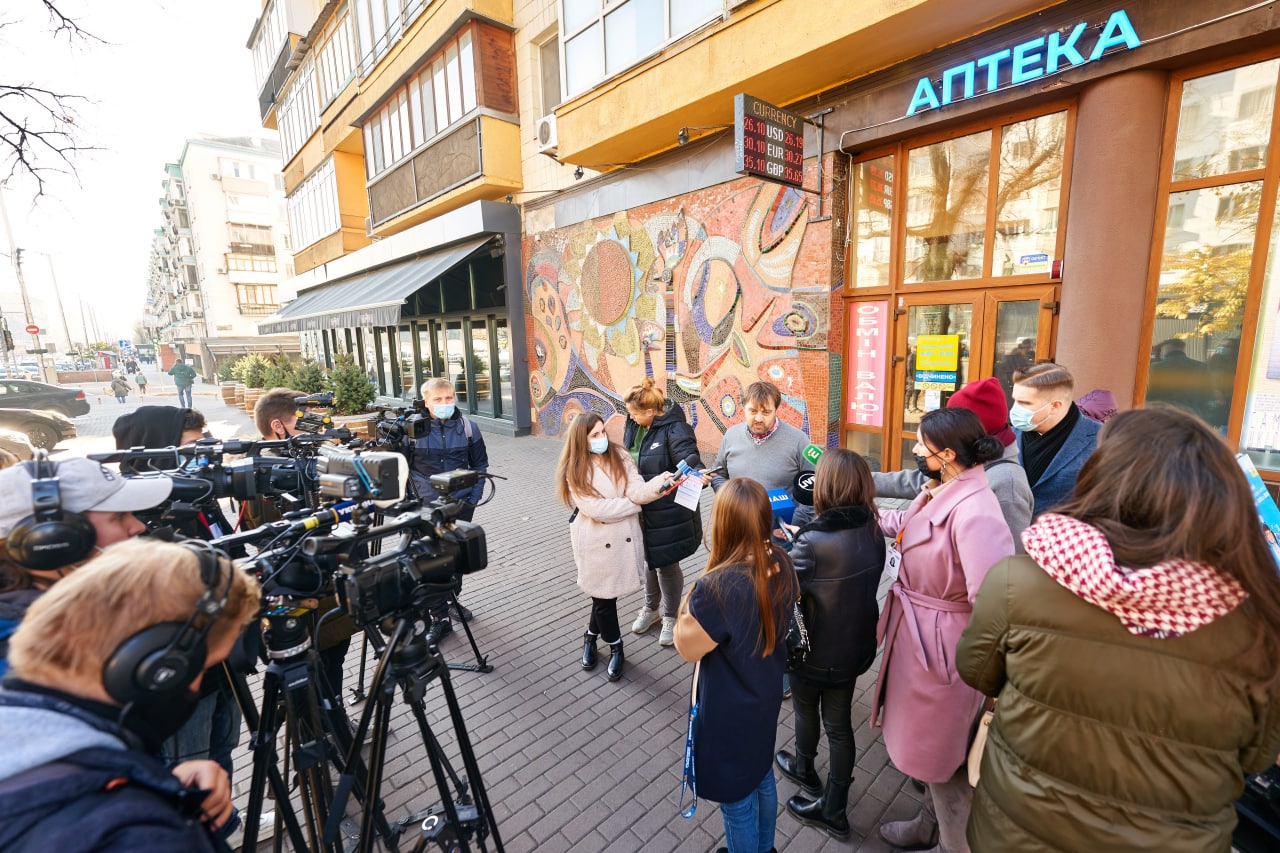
{"x": 281, "y": 372}
{"x": 309, "y": 378}
{"x": 250, "y": 369}
{"x": 352, "y": 389}
{"x": 225, "y": 366}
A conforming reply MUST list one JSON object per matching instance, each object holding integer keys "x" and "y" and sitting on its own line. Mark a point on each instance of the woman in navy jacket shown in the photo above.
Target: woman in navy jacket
{"x": 839, "y": 557}
{"x": 658, "y": 438}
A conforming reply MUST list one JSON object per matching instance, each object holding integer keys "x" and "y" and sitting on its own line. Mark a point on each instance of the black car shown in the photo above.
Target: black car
{"x": 42, "y": 429}
{"x": 24, "y": 394}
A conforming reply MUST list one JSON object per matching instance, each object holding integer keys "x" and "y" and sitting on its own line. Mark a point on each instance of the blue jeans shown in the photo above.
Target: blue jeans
{"x": 184, "y": 397}
{"x": 749, "y": 823}
{"x": 213, "y": 731}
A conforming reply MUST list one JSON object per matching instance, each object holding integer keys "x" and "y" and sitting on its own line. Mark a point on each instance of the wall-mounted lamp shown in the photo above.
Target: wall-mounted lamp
{"x": 510, "y": 197}
{"x": 682, "y": 138}
{"x": 578, "y": 173}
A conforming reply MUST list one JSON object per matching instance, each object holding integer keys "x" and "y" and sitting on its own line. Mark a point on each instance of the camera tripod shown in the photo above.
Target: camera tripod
{"x": 407, "y": 661}
{"x": 317, "y": 737}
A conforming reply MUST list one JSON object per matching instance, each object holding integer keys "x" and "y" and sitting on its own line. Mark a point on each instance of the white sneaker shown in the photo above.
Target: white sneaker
{"x": 645, "y": 620}
{"x": 668, "y": 635}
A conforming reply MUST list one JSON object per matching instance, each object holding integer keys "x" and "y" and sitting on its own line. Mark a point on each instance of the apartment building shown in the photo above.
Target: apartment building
{"x": 400, "y": 137}
{"x": 222, "y": 258}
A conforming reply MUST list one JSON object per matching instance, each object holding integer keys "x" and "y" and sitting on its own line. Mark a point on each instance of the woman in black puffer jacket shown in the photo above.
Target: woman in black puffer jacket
{"x": 658, "y": 438}
{"x": 838, "y": 557}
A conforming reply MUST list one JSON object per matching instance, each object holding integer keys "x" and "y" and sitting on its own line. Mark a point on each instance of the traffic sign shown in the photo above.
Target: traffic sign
{"x": 33, "y": 329}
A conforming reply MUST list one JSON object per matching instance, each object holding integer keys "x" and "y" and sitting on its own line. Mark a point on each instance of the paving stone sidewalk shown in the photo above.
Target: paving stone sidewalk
{"x": 571, "y": 761}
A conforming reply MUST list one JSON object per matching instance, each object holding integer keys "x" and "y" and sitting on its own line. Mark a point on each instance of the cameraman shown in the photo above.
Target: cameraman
{"x": 83, "y": 717}
{"x": 106, "y": 500}
{"x": 452, "y": 441}
{"x": 276, "y": 416}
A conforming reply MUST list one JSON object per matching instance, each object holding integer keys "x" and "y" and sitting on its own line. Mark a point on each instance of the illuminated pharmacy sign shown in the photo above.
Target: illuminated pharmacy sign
{"x": 1022, "y": 63}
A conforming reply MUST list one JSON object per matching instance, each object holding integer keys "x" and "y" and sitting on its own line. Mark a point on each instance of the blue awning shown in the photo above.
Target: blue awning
{"x": 370, "y": 298}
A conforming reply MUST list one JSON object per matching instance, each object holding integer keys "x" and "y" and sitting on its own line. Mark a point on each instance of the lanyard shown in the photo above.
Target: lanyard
{"x": 690, "y": 780}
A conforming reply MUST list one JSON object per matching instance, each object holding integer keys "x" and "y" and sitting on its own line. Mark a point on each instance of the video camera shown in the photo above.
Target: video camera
{"x": 394, "y": 425}
{"x": 313, "y": 422}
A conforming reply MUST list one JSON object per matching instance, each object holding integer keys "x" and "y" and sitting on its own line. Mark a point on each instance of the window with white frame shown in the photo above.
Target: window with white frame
{"x": 251, "y": 263}
{"x": 237, "y": 169}
{"x": 336, "y": 57}
{"x": 313, "y": 207}
{"x": 241, "y": 203}
{"x": 379, "y": 23}
{"x": 271, "y": 37}
{"x": 299, "y": 114}
{"x": 549, "y": 74}
{"x": 429, "y": 103}
{"x": 603, "y": 37}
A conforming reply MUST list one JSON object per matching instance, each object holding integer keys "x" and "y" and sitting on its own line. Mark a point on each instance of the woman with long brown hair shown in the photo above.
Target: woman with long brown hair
{"x": 600, "y": 482}
{"x": 734, "y": 623}
{"x": 1134, "y": 650}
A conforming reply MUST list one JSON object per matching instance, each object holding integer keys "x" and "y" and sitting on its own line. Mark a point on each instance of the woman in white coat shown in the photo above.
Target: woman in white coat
{"x": 600, "y": 482}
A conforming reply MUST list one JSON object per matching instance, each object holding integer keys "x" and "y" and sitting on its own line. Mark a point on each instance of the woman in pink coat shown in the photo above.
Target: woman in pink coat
{"x": 598, "y": 479}
{"x": 948, "y": 538}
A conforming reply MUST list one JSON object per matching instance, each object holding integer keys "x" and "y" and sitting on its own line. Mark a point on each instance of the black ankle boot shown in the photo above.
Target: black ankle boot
{"x": 615, "y": 661}
{"x": 589, "y": 651}
{"x": 827, "y": 812}
{"x": 799, "y": 769}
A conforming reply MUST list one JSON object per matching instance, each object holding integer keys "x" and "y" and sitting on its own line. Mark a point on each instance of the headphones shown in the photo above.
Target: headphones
{"x": 49, "y": 538}
{"x": 165, "y": 658}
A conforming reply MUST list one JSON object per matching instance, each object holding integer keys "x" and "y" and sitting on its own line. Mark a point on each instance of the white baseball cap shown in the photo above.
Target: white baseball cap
{"x": 83, "y": 486}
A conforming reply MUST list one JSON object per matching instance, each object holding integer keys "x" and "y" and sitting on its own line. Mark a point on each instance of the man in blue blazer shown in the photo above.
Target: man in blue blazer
{"x": 1054, "y": 437}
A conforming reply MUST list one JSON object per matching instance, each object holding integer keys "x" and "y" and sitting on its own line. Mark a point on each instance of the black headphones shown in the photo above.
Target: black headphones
{"x": 165, "y": 658}
{"x": 49, "y": 538}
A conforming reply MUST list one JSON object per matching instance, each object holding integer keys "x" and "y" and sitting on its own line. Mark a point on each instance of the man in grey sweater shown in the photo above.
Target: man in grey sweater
{"x": 764, "y": 448}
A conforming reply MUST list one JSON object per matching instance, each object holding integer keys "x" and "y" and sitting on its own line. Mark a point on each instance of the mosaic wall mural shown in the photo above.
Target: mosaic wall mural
{"x": 706, "y": 293}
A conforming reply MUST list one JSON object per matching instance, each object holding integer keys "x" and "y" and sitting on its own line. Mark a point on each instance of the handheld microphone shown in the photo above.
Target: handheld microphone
{"x": 813, "y": 453}
{"x": 782, "y": 504}
{"x": 802, "y": 489}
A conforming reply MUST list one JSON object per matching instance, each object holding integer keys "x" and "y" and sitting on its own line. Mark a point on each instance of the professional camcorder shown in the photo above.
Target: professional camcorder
{"x": 394, "y": 425}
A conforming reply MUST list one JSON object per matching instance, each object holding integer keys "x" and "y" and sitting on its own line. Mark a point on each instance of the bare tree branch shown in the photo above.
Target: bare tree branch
{"x": 63, "y": 24}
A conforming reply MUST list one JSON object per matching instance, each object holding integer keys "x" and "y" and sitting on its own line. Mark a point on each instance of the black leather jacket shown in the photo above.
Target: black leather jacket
{"x": 839, "y": 557}
{"x": 671, "y": 532}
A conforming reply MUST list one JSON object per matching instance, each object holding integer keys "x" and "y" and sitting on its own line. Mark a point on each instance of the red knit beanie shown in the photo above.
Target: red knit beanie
{"x": 985, "y": 398}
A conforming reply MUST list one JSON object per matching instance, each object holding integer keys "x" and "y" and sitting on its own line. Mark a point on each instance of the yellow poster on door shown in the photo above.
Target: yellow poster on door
{"x": 938, "y": 352}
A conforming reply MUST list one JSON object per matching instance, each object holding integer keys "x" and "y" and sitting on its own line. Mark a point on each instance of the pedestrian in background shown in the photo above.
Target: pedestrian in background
{"x": 184, "y": 375}
{"x": 734, "y": 624}
{"x": 1054, "y": 437}
{"x": 1134, "y": 651}
{"x": 948, "y": 538}
{"x": 120, "y": 388}
{"x": 598, "y": 480}
{"x": 141, "y": 382}
{"x": 658, "y": 438}
{"x": 839, "y": 557}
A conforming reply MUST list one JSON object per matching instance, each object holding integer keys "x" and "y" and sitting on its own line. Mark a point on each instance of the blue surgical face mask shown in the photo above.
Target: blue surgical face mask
{"x": 599, "y": 444}
{"x": 443, "y": 411}
{"x": 1020, "y": 416}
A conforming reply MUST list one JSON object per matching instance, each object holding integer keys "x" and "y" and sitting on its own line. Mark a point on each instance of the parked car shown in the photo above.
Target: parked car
{"x": 22, "y": 394}
{"x": 42, "y": 429}
{"x": 17, "y": 444}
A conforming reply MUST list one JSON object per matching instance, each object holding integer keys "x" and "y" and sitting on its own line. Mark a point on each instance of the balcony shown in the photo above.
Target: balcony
{"x": 257, "y": 309}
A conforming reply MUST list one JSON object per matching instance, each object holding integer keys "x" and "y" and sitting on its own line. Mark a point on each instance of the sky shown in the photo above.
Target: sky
{"x": 165, "y": 71}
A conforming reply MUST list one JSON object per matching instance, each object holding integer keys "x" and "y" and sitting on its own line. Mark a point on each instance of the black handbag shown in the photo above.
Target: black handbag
{"x": 797, "y": 640}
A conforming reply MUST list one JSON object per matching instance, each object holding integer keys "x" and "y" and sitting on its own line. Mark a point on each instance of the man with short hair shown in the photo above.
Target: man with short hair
{"x": 184, "y": 376}
{"x": 1054, "y": 437}
{"x": 83, "y": 719}
{"x": 450, "y": 441}
{"x": 276, "y": 414}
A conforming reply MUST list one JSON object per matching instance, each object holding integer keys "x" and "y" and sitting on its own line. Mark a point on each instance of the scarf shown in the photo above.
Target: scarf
{"x": 1168, "y": 599}
{"x": 1039, "y": 451}
{"x": 761, "y": 439}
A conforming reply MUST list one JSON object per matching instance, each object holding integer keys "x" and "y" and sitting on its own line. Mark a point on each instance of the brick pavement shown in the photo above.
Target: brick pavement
{"x": 571, "y": 761}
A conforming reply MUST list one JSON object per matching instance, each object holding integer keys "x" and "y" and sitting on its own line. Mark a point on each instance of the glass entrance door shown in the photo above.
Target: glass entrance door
{"x": 945, "y": 341}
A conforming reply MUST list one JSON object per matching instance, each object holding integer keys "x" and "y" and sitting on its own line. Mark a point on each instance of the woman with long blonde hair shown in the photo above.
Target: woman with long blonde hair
{"x": 734, "y": 624}
{"x": 598, "y": 480}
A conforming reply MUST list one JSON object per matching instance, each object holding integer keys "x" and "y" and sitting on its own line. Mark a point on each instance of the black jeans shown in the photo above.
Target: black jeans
{"x": 604, "y": 619}
{"x": 836, "y": 705}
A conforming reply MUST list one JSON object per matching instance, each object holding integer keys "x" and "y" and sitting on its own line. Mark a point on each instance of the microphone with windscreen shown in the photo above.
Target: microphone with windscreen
{"x": 802, "y": 488}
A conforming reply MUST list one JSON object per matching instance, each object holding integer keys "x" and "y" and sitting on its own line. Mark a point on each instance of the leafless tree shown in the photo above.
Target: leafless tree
{"x": 38, "y": 134}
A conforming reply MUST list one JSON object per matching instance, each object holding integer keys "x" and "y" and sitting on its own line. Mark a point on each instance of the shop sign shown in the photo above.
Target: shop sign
{"x": 1022, "y": 63}
{"x": 938, "y": 352}
{"x": 1268, "y": 514}
{"x": 936, "y": 380}
{"x": 869, "y": 324}
{"x": 768, "y": 142}
{"x": 1038, "y": 262}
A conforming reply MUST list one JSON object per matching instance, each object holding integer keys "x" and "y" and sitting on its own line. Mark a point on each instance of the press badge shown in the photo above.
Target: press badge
{"x": 893, "y": 558}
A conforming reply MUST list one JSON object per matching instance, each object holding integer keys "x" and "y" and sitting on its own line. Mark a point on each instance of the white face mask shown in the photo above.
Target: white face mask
{"x": 1020, "y": 416}
{"x": 599, "y": 444}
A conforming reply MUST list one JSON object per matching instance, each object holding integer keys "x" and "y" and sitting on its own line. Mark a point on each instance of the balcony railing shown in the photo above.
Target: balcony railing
{"x": 257, "y": 309}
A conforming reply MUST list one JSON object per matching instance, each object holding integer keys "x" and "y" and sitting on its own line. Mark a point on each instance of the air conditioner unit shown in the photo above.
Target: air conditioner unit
{"x": 215, "y": 177}
{"x": 548, "y": 142}
{"x": 221, "y": 270}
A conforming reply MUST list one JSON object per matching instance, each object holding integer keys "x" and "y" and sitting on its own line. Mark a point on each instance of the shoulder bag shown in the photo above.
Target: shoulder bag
{"x": 797, "y": 640}
{"x": 979, "y": 743}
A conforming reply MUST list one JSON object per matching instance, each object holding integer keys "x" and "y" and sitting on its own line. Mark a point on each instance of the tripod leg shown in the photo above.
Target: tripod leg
{"x": 469, "y": 760}
{"x": 262, "y": 745}
{"x": 482, "y": 662}
{"x": 357, "y": 692}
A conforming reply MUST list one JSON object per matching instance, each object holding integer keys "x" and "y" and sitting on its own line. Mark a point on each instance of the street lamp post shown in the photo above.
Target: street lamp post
{"x": 22, "y": 288}
{"x": 62, "y": 309}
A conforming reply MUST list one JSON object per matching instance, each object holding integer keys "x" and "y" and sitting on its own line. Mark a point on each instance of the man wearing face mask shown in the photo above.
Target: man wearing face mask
{"x": 451, "y": 441}
{"x": 1054, "y": 437}
{"x": 85, "y": 710}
